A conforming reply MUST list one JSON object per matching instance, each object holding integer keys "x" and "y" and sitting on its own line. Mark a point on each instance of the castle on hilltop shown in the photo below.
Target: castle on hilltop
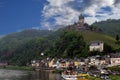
{"x": 81, "y": 21}
{"x": 78, "y": 26}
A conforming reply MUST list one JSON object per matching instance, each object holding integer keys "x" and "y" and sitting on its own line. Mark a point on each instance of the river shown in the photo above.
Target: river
{"x": 28, "y": 75}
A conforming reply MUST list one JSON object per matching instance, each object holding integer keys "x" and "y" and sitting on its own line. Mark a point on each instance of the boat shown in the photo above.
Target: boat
{"x": 69, "y": 75}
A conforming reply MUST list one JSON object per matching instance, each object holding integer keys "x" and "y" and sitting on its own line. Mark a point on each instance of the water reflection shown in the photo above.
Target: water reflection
{"x": 41, "y": 75}
{"x": 44, "y": 75}
{"x": 29, "y": 75}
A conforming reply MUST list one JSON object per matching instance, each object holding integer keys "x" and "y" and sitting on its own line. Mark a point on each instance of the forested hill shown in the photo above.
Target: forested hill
{"x": 26, "y": 45}
{"x": 13, "y": 40}
{"x": 29, "y": 33}
{"x": 22, "y": 47}
{"x": 9, "y": 43}
{"x": 110, "y": 26}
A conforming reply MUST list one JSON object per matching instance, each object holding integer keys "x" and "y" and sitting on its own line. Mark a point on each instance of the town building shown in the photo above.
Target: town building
{"x": 96, "y": 46}
{"x": 115, "y": 61}
{"x": 3, "y": 64}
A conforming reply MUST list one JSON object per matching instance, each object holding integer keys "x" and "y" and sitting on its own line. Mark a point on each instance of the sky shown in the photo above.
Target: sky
{"x": 17, "y": 15}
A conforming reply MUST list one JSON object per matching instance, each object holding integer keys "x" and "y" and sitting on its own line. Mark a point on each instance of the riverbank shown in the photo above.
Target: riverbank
{"x": 10, "y": 67}
{"x": 57, "y": 71}
{"x": 112, "y": 77}
{"x": 93, "y": 78}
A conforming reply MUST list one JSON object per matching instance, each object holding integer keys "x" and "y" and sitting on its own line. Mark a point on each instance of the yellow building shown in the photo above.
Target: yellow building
{"x": 102, "y": 62}
{"x": 67, "y": 64}
{"x": 76, "y": 63}
{"x": 51, "y": 63}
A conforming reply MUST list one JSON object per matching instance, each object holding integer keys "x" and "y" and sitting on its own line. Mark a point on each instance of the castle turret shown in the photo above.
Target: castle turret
{"x": 80, "y": 23}
{"x": 81, "y": 17}
{"x": 78, "y": 26}
{"x": 81, "y": 20}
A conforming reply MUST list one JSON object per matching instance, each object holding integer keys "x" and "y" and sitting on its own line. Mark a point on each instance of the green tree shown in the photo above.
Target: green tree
{"x": 117, "y": 37}
{"x": 71, "y": 44}
{"x": 107, "y": 48}
{"x": 29, "y": 51}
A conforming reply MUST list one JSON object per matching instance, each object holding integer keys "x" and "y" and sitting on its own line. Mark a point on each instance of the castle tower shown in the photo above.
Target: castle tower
{"x": 81, "y": 20}
{"x": 78, "y": 26}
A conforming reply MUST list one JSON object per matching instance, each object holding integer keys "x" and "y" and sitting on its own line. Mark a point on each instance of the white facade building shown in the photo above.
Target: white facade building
{"x": 115, "y": 61}
{"x": 96, "y": 46}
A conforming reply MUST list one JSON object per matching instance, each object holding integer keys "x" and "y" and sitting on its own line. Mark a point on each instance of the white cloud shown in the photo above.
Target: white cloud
{"x": 46, "y": 25}
{"x": 65, "y": 12}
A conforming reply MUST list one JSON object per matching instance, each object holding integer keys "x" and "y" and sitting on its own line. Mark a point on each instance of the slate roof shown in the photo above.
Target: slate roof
{"x": 95, "y": 43}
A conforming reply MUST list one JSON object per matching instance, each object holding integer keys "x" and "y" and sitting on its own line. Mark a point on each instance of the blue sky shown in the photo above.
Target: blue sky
{"x": 17, "y": 15}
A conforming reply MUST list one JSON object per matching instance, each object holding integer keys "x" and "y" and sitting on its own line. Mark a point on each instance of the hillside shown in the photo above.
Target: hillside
{"x": 29, "y": 43}
{"x": 22, "y": 47}
{"x": 110, "y": 26}
{"x": 91, "y": 36}
{"x": 75, "y": 44}
{"x": 71, "y": 44}
{"x": 9, "y": 43}
{"x": 13, "y": 40}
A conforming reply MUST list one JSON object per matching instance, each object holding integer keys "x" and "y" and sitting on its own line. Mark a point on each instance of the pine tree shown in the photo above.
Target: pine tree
{"x": 117, "y": 37}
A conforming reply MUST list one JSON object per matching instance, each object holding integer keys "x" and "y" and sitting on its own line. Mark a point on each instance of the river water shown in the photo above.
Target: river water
{"x": 28, "y": 75}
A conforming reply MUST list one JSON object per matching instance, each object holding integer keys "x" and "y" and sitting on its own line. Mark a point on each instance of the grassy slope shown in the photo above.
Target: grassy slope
{"x": 111, "y": 27}
{"x": 91, "y": 36}
{"x": 93, "y": 78}
{"x": 115, "y": 77}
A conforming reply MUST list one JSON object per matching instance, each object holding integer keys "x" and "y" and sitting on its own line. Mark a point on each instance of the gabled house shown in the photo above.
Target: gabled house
{"x": 76, "y": 63}
{"x": 33, "y": 63}
{"x": 50, "y": 63}
{"x": 82, "y": 61}
{"x": 96, "y": 46}
{"x": 56, "y": 63}
{"x": 94, "y": 61}
{"x": 36, "y": 63}
{"x": 3, "y": 63}
{"x": 102, "y": 61}
{"x": 115, "y": 61}
{"x": 63, "y": 64}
